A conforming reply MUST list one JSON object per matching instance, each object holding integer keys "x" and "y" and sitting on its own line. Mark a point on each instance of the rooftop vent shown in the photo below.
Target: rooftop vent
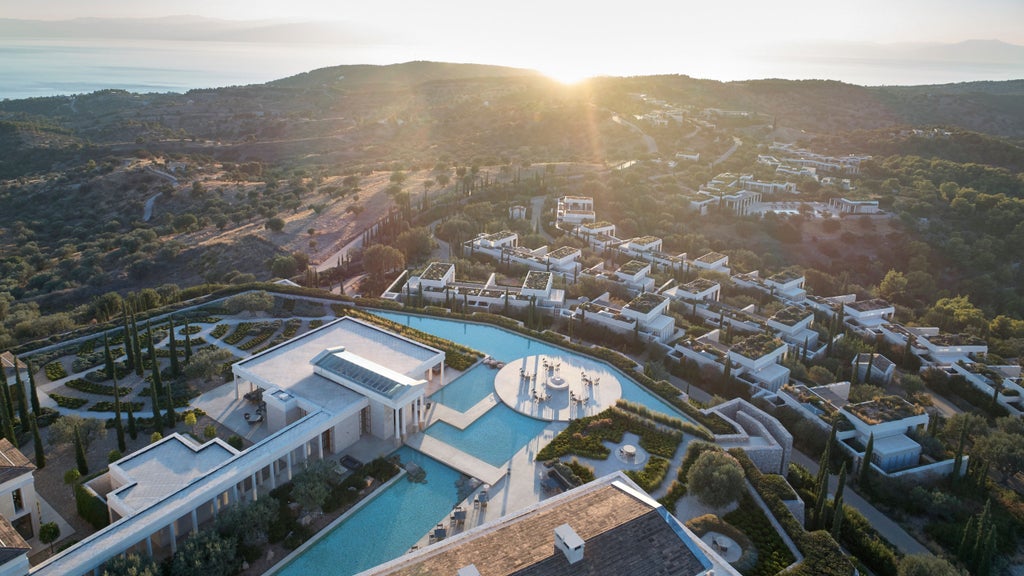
{"x": 569, "y": 542}
{"x": 469, "y": 571}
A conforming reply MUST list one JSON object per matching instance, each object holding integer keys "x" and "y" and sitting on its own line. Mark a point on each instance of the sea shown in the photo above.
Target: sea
{"x": 47, "y": 67}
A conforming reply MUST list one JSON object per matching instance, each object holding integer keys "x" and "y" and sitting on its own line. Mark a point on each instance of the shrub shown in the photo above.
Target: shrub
{"x": 235, "y": 441}
{"x": 652, "y": 475}
{"x": 55, "y": 371}
{"x": 83, "y": 385}
{"x": 716, "y": 478}
{"x": 91, "y": 507}
{"x": 772, "y": 554}
{"x": 68, "y": 401}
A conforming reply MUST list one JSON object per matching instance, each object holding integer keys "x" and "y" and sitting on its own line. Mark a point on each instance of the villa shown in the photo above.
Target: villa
{"x": 589, "y": 229}
{"x": 873, "y": 368}
{"x": 19, "y": 509}
{"x": 574, "y": 210}
{"x": 846, "y": 206}
{"x": 754, "y": 360}
{"x": 635, "y": 275}
{"x": 644, "y": 316}
{"x": 888, "y": 419}
{"x": 713, "y": 262}
{"x": 697, "y": 290}
{"x": 785, "y": 285}
{"x": 865, "y": 316}
{"x": 933, "y": 347}
{"x": 323, "y": 391}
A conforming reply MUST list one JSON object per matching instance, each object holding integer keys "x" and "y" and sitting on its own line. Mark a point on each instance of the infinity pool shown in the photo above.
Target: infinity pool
{"x": 385, "y": 527}
{"x": 507, "y": 346}
{"x": 494, "y": 437}
{"x": 467, "y": 390}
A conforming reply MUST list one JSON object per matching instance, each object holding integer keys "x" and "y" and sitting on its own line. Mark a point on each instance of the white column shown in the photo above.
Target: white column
{"x": 149, "y": 545}
{"x": 442, "y": 373}
{"x": 273, "y": 474}
{"x": 397, "y": 414}
{"x": 255, "y": 486}
{"x": 195, "y": 521}
{"x": 174, "y": 537}
{"x": 289, "y": 466}
{"x": 234, "y": 494}
{"x": 235, "y": 378}
{"x": 320, "y": 444}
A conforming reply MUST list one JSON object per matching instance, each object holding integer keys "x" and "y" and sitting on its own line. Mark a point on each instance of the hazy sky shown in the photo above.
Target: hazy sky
{"x": 574, "y": 38}
{"x": 863, "y": 20}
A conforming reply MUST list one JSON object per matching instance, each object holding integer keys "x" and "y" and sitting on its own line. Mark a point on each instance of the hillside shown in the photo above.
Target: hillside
{"x": 254, "y": 181}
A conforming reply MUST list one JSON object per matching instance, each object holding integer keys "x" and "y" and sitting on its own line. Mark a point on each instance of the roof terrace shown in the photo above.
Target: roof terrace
{"x": 884, "y": 409}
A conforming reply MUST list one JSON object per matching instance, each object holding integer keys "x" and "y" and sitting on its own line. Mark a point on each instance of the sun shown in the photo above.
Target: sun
{"x": 565, "y": 73}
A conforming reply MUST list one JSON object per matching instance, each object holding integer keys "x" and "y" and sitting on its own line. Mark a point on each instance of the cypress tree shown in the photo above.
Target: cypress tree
{"x": 129, "y": 349}
{"x": 959, "y": 458}
{"x": 158, "y": 421}
{"x": 33, "y": 392}
{"x": 865, "y": 466}
{"x": 23, "y": 409}
{"x": 963, "y": 551}
{"x": 136, "y": 346}
{"x": 871, "y": 364}
{"x": 83, "y": 465}
{"x": 108, "y": 359}
{"x": 839, "y": 487}
{"x": 173, "y": 347}
{"x": 157, "y": 380}
{"x": 133, "y": 429}
{"x": 6, "y": 422}
{"x": 37, "y": 442}
{"x": 8, "y": 402}
{"x": 188, "y": 343}
{"x": 838, "y": 514}
{"x": 118, "y": 425}
{"x": 172, "y": 417}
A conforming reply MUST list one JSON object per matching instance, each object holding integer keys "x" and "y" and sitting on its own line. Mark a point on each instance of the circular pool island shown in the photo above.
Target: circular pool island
{"x": 557, "y": 388}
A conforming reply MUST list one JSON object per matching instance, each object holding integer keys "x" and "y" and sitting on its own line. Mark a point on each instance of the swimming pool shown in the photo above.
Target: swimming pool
{"x": 384, "y": 528}
{"x": 467, "y": 390}
{"x": 494, "y": 437}
{"x": 507, "y": 346}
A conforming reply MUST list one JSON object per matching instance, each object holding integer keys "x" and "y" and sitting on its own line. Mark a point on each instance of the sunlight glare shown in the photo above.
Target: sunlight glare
{"x": 565, "y": 73}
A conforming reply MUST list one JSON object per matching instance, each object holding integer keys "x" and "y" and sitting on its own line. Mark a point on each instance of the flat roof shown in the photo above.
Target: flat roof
{"x": 289, "y": 362}
{"x": 287, "y": 366}
{"x": 623, "y": 533}
{"x": 895, "y": 444}
{"x": 352, "y": 369}
{"x": 165, "y": 467}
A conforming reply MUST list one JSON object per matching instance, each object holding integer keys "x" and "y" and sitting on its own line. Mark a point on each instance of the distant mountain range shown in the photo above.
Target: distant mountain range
{"x": 987, "y": 51}
{"x": 193, "y": 28}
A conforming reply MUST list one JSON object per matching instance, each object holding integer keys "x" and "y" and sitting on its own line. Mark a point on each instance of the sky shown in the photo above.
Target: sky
{"x": 570, "y": 39}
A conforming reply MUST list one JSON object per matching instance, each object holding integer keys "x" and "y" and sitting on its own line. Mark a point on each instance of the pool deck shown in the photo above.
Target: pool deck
{"x": 461, "y": 420}
{"x": 557, "y": 388}
{"x": 455, "y": 458}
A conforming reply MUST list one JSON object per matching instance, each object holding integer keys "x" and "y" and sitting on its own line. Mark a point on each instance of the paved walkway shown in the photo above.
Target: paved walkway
{"x": 889, "y": 530}
{"x": 452, "y": 456}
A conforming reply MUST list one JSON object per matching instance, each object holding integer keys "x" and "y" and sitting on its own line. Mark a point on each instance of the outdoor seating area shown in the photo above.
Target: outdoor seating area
{"x": 261, "y": 411}
{"x": 542, "y": 389}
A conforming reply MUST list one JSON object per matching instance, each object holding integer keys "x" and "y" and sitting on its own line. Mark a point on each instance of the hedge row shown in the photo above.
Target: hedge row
{"x": 83, "y": 385}
{"x": 241, "y": 331}
{"x": 585, "y": 436}
{"x": 652, "y": 475}
{"x": 68, "y": 401}
{"x": 108, "y": 406}
{"x": 772, "y": 553}
{"x": 55, "y": 371}
{"x": 219, "y": 331}
{"x": 822, "y": 555}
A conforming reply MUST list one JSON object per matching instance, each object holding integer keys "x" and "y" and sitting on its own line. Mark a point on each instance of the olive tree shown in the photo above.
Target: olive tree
{"x": 716, "y": 478}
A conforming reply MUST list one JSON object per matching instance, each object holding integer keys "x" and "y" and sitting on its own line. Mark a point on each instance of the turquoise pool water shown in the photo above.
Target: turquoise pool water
{"x": 508, "y": 346}
{"x": 386, "y": 527}
{"x": 494, "y": 437}
{"x": 468, "y": 389}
